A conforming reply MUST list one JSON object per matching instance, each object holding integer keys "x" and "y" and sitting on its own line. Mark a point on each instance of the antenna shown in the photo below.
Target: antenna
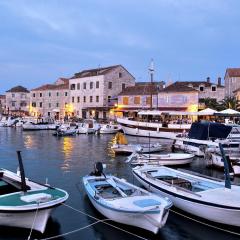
{"x": 151, "y": 71}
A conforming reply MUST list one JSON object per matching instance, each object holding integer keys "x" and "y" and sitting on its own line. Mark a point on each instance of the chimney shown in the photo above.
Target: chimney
{"x": 219, "y": 81}
{"x": 208, "y": 79}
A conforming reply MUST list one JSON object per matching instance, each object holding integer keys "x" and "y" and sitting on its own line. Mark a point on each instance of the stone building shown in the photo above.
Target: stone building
{"x": 51, "y": 100}
{"x": 178, "y": 97}
{"x": 138, "y": 97}
{"x": 93, "y": 92}
{"x": 17, "y": 101}
{"x": 232, "y": 81}
{"x": 2, "y": 104}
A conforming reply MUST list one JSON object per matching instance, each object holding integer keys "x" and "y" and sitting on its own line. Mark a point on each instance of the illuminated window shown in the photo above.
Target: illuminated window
{"x": 125, "y": 100}
{"x": 137, "y": 100}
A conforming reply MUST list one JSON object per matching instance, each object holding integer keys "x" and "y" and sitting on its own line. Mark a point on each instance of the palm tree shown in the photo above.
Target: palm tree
{"x": 210, "y": 103}
{"x": 230, "y": 102}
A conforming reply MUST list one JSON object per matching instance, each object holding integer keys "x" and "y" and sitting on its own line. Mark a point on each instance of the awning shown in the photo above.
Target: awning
{"x": 174, "y": 113}
{"x": 207, "y": 112}
{"x": 56, "y": 110}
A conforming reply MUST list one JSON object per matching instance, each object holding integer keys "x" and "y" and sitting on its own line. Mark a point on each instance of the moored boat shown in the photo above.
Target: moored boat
{"x": 110, "y": 128}
{"x": 25, "y": 203}
{"x": 125, "y": 203}
{"x": 213, "y": 200}
{"x": 163, "y": 159}
{"x": 88, "y": 126}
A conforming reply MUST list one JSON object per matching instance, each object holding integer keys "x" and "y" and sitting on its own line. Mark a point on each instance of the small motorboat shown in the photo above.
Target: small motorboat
{"x": 208, "y": 198}
{"x": 122, "y": 146}
{"x": 163, "y": 159}
{"x": 110, "y": 128}
{"x": 25, "y": 203}
{"x": 65, "y": 131}
{"x": 125, "y": 203}
{"x": 88, "y": 126}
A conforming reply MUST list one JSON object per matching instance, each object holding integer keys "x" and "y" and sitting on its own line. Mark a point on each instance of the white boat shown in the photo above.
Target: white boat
{"x": 205, "y": 135}
{"x": 109, "y": 128}
{"x": 88, "y": 126}
{"x": 163, "y": 159}
{"x": 25, "y": 203}
{"x": 65, "y": 131}
{"x": 39, "y": 124}
{"x": 210, "y": 199}
{"x": 7, "y": 121}
{"x": 153, "y": 128}
{"x": 139, "y": 148}
{"x": 125, "y": 203}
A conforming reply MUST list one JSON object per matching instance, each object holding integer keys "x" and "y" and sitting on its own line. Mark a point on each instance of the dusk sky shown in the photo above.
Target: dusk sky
{"x": 47, "y": 39}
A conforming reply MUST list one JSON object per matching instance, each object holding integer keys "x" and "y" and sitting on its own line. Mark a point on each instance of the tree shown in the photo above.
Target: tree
{"x": 230, "y": 102}
{"x": 210, "y": 103}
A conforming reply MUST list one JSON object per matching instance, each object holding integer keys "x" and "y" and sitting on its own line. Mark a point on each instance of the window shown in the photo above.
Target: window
{"x": 78, "y": 99}
{"x": 109, "y": 85}
{"x": 49, "y": 94}
{"x": 91, "y": 85}
{"x": 72, "y": 99}
{"x": 123, "y": 86}
{"x": 109, "y": 98}
{"x": 97, "y": 98}
{"x": 13, "y": 95}
{"x": 201, "y": 88}
{"x": 84, "y": 99}
{"x": 40, "y": 104}
{"x": 125, "y": 100}
{"x": 40, "y": 94}
{"x": 148, "y": 102}
{"x": 78, "y": 86}
{"x": 73, "y": 86}
{"x": 23, "y": 104}
{"x": 13, "y": 104}
{"x": 84, "y": 85}
{"x": 57, "y": 94}
{"x": 91, "y": 98}
{"x": 66, "y": 94}
{"x": 34, "y": 104}
{"x": 49, "y": 105}
{"x": 214, "y": 88}
{"x": 34, "y": 95}
{"x": 120, "y": 75}
{"x": 97, "y": 84}
{"x": 137, "y": 100}
{"x": 57, "y": 104}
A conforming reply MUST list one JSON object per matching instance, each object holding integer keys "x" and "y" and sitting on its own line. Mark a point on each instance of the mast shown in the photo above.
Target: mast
{"x": 151, "y": 71}
{"x": 21, "y": 168}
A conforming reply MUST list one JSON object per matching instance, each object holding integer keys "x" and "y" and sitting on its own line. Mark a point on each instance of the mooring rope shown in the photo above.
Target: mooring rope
{"x": 206, "y": 224}
{"x": 73, "y": 231}
{"x": 34, "y": 220}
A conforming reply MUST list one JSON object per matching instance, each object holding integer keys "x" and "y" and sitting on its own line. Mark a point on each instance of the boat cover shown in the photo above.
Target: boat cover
{"x": 209, "y": 130}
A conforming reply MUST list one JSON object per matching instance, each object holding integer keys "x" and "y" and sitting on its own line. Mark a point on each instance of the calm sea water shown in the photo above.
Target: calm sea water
{"x": 63, "y": 162}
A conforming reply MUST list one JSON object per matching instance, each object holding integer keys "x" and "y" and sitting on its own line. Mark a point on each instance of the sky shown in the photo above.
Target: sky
{"x": 188, "y": 40}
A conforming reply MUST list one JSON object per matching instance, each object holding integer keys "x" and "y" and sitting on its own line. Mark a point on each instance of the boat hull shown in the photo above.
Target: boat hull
{"x": 210, "y": 212}
{"x": 150, "y": 222}
{"x": 25, "y": 219}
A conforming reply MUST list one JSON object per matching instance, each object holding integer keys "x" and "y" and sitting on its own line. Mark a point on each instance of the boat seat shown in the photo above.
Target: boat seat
{"x": 180, "y": 182}
{"x": 146, "y": 203}
{"x": 13, "y": 183}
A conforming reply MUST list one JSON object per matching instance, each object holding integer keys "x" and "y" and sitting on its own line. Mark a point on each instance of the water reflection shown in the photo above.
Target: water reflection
{"x": 29, "y": 142}
{"x": 67, "y": 149}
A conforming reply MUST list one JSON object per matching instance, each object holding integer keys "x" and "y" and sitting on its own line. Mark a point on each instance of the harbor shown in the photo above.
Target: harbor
{"x": 62, "y": 162}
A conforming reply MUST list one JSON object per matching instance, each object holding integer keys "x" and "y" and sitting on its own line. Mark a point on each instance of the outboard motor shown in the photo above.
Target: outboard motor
{"x": 98, "y": 170}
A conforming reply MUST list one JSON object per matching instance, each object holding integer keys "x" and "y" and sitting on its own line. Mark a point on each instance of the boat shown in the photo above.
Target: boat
{"x": 211, "y": 199}
{"x": 126, "y": 203}
{"x": 122, "y": 146}
{"x": 25, "y": 203}
{"x": 65, "y": 131}
{"x": 204, "y": 135}
{"x": 39, "y": 124}
{"x": 109, "y": 128}
{"x": 163, "y": 159}
{"x": 152, "y": 124}
{"x": 88, "y": 126}
{"x": 7, "y": 121}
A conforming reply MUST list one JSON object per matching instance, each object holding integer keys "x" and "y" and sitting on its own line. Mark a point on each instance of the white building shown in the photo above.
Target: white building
{"x": 93, "y": 92}
{"x": 17, "y": 101}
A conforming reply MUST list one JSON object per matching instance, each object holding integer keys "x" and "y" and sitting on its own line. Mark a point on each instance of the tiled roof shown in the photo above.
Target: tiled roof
{"x": 233, "y": 72}
{"x": 94, "y": 72}
{"x": 48, "y": 87}
{"x": 18, "y": 89}
{"x": 180, "y": 87}
{"x": 3, "y": 96}
{"x": 196, "y": 84}
{"x": 142, "y": 88}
